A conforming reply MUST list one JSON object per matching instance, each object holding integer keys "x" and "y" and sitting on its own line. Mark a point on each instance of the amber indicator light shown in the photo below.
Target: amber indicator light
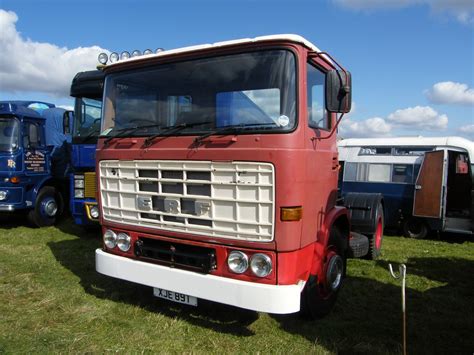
{"x": 291, "y": 213}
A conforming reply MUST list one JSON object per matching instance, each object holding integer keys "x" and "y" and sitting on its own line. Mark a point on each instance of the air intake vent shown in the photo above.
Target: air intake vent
{"x": 224, "y": 200}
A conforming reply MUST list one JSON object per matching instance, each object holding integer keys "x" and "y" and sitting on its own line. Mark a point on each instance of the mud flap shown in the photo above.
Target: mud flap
{"x": 362, "y": 209}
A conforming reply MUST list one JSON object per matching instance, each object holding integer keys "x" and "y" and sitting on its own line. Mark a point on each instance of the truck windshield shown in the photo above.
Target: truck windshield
{"x": 8, "y": 134}
{"x": 255, "y": 90}
{"x": 87, "y": 116}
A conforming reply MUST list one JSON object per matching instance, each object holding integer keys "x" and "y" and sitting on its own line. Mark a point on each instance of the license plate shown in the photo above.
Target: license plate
{"x": 175, "y": 296}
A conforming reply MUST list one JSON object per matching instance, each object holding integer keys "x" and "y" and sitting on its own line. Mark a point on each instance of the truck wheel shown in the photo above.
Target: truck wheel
{"x": 319, "y": 295}
{"x": 375, "y": 239}
{"x": 48, "y": 207}
{"x": 415, "y": 228}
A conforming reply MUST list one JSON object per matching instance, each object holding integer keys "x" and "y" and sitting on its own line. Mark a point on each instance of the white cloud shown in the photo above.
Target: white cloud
{"x": 43, "y": 67}
{"x": 411, "y": 119}
{"x": 375, "y": 4}
{"x": 448, "y": 92}
{"x": 462, "y": 10}
{"x": 371, "y": 127}
{"x": 421, "y": 117}
{"x": 467, "y": 131}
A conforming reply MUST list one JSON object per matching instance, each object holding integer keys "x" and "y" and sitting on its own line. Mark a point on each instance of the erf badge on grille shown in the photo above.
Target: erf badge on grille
{"x": 172, "y": 205}
{"x": 144, "y": 203}
{"x": 202, "y": 207}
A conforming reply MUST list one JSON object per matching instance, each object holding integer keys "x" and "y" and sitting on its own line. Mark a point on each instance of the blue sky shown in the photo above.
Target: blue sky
{"x": 411, "y": 60}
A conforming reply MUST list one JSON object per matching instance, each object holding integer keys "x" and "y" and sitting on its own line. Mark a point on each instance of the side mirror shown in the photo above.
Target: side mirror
{"x": 338, "y": 91}
{"x": 67, "y": 120}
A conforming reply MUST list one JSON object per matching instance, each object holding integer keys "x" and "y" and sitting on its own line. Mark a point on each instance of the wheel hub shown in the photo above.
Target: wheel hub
{"x": 50, "y": 208}
{"x": 334, "y": 272}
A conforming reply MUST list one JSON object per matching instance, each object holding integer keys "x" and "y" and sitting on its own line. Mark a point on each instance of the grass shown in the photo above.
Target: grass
{"x": 52, "y": 300}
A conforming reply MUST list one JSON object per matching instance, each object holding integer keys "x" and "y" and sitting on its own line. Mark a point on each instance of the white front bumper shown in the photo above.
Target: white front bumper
{"x": 279, "y": 299}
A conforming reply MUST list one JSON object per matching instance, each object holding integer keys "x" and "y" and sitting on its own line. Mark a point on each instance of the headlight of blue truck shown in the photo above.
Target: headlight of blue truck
{"x": 3, "y": 195}
{"x": 79, "y": 186}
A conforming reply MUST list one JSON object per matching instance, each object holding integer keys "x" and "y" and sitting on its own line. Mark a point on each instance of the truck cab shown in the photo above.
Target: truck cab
{"x": 33, "y": 160}
{"x": 217, "y": 169}
{"x": 87, "y": 89}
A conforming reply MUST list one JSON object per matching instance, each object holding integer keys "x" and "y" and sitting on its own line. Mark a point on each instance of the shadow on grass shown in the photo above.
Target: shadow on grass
{"x": 14, "y": 220}
{"x": 366, "y": 317}
{"x": 78, "y": 255}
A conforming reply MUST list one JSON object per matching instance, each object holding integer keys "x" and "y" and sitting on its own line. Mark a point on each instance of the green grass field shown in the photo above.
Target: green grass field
{"x": 52, "y": 300}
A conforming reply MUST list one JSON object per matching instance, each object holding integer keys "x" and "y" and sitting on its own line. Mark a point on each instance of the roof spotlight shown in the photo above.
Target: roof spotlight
{"x": 158, "y": 50}
{"x": 136, "y": 53}
{"x": 103, "y": 58}
{"x": 124, "y": 55}
{"x": 147, "y": 52}
{"x": 114, "y": 57}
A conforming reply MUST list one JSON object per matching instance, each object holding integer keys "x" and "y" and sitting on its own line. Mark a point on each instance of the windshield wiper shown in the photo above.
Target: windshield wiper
{"x": 170, "y": 130}
{"x": 233, "y": 129}
{"x": 128, "y": 130}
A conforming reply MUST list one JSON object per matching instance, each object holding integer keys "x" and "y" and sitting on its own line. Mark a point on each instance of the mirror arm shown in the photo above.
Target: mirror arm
{"x": 345, "y": 88}
{"x": 334, "y": 129}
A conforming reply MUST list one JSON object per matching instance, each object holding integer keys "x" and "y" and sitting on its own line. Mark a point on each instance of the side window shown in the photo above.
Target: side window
{"x": 379, "y": 173}
{"x": 317, "y": 115}
{"x": 32, "y": 140}
{"x": 350, "y": 172}
{"x": 402, "y": 173}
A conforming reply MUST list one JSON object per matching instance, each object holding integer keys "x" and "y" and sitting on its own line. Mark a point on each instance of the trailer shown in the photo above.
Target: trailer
{"x": 427, "y": 182}
{"x": 217, "y": 170}
{"x": 34, "y": 160}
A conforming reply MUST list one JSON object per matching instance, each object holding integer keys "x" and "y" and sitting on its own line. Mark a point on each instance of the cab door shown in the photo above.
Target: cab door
{"x": 429, "y": 196}
{"x": 36, "y": 153}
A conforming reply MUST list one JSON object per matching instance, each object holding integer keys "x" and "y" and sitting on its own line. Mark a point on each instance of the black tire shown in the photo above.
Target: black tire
{"x": 318, "y": 296}
{"x": 358, "y": 245}
{"x": 375, "y": 239}
{"x": 38, "y": 216}
{"x": 415, "y": 228}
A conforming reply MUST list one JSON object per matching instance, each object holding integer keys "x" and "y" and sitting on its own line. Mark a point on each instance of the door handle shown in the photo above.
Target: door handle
{"x": 417, "y": 187}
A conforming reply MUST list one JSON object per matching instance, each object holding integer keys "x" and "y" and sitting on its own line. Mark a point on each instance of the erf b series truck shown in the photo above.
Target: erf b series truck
{"x": 87, "y": 89}
{"x": 217, "y": 172}
{"x": 34, "y": 160}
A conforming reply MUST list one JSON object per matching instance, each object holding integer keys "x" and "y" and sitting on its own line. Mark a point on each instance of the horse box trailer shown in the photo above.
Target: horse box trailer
{"x": 427, "y": 182}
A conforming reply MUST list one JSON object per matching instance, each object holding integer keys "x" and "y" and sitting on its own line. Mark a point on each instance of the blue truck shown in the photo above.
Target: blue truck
{"x": 34, "y": 160}
{"x": 86, "y": 88}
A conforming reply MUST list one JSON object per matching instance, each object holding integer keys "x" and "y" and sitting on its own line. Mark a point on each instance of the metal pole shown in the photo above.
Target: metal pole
{"x": 403, "y": 272}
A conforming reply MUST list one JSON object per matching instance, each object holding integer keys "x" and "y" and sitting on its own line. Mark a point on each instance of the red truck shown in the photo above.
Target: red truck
{"x": 218, "y": 176}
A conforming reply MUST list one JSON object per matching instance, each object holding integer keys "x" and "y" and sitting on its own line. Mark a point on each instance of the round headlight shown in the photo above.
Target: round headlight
{"x": 147, "y": 52}
{"x": 158, "y": 50}
{"x": 114, "y": 57}
{"x": 261, "y": 265}
{"x": 3, "y": 195}
{"x": 136, "y": 53}
{"x": 94, "y": 211}
{"x": 124, "y": 55}
{"x": 238, "y": 262}
{"x": 103, "y": 58}
{"x": 123, "y": 241}
{"x": 110, "y": 239}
